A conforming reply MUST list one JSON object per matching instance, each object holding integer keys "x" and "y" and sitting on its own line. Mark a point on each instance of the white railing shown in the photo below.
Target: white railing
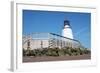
{"x": 49, "y": 40}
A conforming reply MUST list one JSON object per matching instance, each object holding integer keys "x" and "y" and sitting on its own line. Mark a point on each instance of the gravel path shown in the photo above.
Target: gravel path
{"x": 60, "y": 58}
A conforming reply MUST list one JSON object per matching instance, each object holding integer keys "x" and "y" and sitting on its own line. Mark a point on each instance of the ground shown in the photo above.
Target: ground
{"x": 51, "y": 58}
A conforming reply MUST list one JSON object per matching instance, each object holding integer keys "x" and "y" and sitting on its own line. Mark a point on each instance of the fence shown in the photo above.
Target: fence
{"x": 48, "y": 40}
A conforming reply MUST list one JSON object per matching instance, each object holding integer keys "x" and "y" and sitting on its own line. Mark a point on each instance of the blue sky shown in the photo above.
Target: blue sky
{"x": 51, "y": 21}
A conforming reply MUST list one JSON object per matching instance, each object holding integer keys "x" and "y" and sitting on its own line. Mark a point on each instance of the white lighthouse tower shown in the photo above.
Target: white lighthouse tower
{"x": 67, "y": 30}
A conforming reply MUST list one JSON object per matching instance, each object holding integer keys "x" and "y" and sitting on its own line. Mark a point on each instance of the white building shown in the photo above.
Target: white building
{"x": 51, "y": 40}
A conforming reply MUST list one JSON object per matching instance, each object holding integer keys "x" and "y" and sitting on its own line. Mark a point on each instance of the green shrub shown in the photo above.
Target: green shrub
{"x": 56, "y": 52}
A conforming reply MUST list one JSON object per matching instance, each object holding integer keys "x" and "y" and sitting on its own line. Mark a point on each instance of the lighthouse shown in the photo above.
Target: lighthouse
{"x": 67, "y": 30}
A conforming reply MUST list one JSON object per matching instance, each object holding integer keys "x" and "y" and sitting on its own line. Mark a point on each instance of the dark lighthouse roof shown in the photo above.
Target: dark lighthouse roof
{"x": 66, "y": 22}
